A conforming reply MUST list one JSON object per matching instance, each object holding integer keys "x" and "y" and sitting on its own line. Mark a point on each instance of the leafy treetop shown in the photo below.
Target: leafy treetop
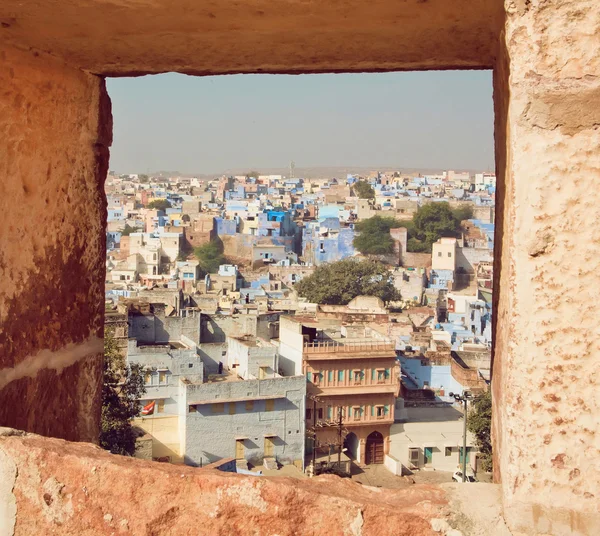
{"x": 210, "y": 256}
{"x": 479, "y": 423}
{"x": 363, "y": 190}
{"x": 159, "y": 204}
{"x": 128, "y": 229}
{"x": 374, "y": 235}
{"x": 122, "y": 387}
{"x": 434, "y": 221}
{"x": 340, "y": 282}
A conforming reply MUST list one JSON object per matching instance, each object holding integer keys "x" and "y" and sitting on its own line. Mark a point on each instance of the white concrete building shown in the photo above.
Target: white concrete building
{"x": 430, "y": 438}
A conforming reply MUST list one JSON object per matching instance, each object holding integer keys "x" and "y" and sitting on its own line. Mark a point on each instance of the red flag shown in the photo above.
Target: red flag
{"x": 149, "y": 408}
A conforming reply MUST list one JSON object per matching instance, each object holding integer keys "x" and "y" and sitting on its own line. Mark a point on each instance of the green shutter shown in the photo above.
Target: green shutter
{"x": 330, "y": 376}
{"x": 387, "y": 373}
{"x": 340, "y": 375}
{"x": 372, "y": 411}
{"x": 373, "y": 373}
{"x": 309, "y": 376}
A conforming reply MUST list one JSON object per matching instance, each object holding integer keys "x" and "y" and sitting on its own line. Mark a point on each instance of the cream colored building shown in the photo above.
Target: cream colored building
{"x": 443, "y": 256}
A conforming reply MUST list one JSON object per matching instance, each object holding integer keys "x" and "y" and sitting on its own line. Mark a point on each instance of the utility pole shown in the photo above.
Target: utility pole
{"x": 340, "y": 442}
{"x": 314, "y": 452}
{"x": 464, "y": 398}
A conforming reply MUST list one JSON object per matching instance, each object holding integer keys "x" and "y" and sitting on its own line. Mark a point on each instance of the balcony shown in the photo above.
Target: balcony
{"x": 348, "y": 349}
{"x": 356, "y": 389}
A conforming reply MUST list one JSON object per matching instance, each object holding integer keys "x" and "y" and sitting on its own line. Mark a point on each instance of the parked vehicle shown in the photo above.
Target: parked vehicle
{"x": 458, "y": 477}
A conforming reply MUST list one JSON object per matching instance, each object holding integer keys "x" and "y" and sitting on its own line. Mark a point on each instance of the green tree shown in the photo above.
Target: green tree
{"x": 143, "y": 178}
{"x": 363, "y": 190}
{"x": 185, "y": 218}
{"x": 128, "y": 229}
{"x": 339, "y": 282}
{"x": 122, "y": 387}
{"x": 431, "y": 222}
{"x": 210, "y": 256}
{"x": 253, "y": 174}
{"x": 462, "y": 212}
{"x": 159, "y": 204}
{"x": 479, "y": 424}
{"x": 374, "y": 235}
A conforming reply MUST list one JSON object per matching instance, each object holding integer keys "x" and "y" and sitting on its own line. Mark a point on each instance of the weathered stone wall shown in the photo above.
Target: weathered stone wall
{"x": 262, "y": 36}
{"x": 53, "y": 487}
{"x": 55, "y": 129}
{"x": 547, "y": 333}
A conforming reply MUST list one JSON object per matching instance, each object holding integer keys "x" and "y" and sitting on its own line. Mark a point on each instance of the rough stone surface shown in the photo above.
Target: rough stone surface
{"x": 124, "y": 37}
{"x": 54, "y": 134}
{"x": 79, "y": 489}
{"x": 55, "y": 130}
{"x": 545, "y": 373}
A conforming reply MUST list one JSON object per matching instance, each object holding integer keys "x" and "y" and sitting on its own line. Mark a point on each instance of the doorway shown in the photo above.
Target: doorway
{"x": 351, "y": 445}
{"x": 268, "y": 447}
{"x": 374, "y": 451}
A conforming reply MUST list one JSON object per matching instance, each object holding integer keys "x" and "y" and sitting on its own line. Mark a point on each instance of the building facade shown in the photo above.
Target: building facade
{"x": 352, "y": 373}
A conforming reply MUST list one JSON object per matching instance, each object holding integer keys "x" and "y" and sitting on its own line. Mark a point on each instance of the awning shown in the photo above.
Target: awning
{"x": 451, "y": 444}
{"x": 269, "y": 435}
{"x": 241, "y": 438}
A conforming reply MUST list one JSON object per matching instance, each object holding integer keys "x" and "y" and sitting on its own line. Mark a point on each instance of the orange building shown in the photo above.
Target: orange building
{"x": 349, "y": 368}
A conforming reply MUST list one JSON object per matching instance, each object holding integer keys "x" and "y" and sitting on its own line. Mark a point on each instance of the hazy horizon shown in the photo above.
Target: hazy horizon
{"x": 210, "y": 125}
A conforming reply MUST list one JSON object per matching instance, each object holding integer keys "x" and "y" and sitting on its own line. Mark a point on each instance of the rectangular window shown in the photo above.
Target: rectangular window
{"x": 448, "y": 451}
{"x": 316, "y": 378}
{"x": 380, "y": 412}
{"x": 440, "y": 254}
{"x": 308, "y": 414}
{"x": 329, "y": 376}
{"x": 217, "y": 408}
{"x": 357, "y": 377}
{"x": 162, "y": 378}
{"x": 309, "y": 376}
{"x": 269, "y": 405}
{"x": 249, "y": 405}
{"x": 192, "y": 409}
{"x": 373, "y": 372}
{"x": 357, "y": 411}
{"x": 231, "y": 408}
{"x": 340, "y": 375}
{"x": 329, "y": 412}
{"x": 161, "y": 406}
{"x": 380, "y": 376}
{"x": 148, "y": 378}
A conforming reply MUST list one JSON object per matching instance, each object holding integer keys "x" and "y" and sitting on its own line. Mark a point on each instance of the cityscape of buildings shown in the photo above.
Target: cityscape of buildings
{"x": 239, "y": 366}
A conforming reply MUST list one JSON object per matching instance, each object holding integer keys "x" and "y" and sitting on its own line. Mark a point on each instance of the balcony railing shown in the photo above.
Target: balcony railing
{"x": 347, "y": 347}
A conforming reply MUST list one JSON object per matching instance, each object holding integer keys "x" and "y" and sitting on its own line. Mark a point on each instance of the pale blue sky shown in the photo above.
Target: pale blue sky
{"x": 210, "y": 124}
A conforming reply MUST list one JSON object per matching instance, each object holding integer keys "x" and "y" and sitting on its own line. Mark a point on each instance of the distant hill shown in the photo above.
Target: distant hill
{"x": 316, "y": 172}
